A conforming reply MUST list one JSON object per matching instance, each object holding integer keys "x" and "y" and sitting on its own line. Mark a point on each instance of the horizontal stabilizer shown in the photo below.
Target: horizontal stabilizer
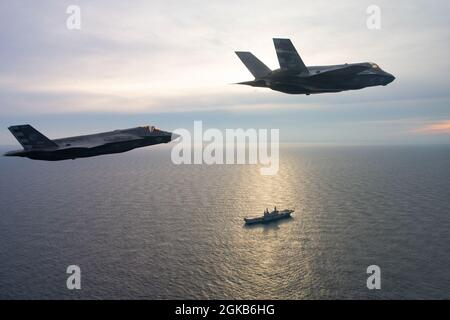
{"x": 288, "y": 56}
{"x": 255, "y": 83}
{"x": 30, "y": 138}
{"x": 253, "y": 64}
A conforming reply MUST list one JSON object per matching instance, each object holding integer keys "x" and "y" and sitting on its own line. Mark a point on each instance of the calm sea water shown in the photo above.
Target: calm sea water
{"x": 140, "y": 227}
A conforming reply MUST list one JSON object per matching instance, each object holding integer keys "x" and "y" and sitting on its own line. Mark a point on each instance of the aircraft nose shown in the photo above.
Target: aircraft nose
{"x": 174, "y": 136}
{"x": 391, "y": 78}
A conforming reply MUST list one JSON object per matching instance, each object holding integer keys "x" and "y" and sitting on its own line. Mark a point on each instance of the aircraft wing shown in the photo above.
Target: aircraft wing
{"x": 343, "y": 70}
{"x": 288, "y": 56}
{"x": 95, "y": 140}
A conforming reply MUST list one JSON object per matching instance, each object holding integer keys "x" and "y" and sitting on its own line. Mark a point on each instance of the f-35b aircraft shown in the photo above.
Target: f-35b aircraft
{"x": 38, "y": 147}
{"x": 295, "y": 77}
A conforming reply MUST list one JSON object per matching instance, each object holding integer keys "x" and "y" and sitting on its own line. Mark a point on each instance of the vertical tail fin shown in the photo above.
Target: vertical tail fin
{"x": 253, "y": 64}
{"x": 288, "y": 57}
{"x": 30, "y": 138}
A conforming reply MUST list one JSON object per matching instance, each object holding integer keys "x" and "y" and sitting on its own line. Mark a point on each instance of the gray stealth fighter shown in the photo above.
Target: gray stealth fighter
{"x": 39, "y": 147}
{"x": 295, "y": 78}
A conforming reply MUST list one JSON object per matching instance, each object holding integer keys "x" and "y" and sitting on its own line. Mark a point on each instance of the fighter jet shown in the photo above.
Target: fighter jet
{"x": 295, "y": 77}
{"x": 38, "y": 147}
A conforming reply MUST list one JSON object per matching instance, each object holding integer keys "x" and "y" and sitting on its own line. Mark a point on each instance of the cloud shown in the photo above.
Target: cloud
{"x": 441, "y": 127}
{"x": 175, "y": 57}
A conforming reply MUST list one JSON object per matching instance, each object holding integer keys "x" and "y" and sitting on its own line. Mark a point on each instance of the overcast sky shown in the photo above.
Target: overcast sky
{"x": 169, "y": 63}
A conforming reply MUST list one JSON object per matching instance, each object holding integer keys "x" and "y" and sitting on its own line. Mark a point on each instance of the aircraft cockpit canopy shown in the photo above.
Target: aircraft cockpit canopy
{"x": 374, "y": 65}
{"x": 151, "y": 129}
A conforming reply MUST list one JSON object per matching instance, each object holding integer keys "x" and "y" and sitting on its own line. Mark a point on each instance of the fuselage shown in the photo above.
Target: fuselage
{"x": 321, "y": 79}
{"x": 96, "y": 144}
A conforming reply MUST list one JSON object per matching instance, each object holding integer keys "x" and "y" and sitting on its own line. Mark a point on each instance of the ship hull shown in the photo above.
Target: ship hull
{"x": 268, "y": 219}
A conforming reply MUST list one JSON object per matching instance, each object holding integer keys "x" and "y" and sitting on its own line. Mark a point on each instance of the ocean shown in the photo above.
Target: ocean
{"x": 140, "y": 227}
